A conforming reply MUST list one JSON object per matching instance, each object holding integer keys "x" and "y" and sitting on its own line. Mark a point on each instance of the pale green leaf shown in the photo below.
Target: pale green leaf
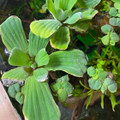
{"x": 67, "y": 4}
{"x": 45, "y": 28}
{"x": 113, "y": 21}
{"x": 117, "y": 5}
{"x": 36, "y": 43}
{"x": 73, "y": 62}
{"x": 94, "y": 84}
{"x": 112, "y": 88}
{"x": 61, "y": 38}
{"x": 88, "y": 3}
{"x": 39, "y": 101}
{"x": 105, "y": 40}
{"x": 16, "y": 74}
{"x": 13, "y": 34}
{"x": 74, "y": 18}
{"x": 19, "y": 58}
{"x": 42, "y": 58}
{"x": 113, "y": 12}
{"x": 91, "y": 71}
{"x": 114, "y": 37}
{"x": 40, "y": 74}
{"x": 106, "y": 28}
{"x": 108, "y": 81}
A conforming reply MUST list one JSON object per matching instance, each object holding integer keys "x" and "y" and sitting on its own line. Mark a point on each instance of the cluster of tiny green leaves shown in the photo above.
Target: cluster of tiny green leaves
{"x": 111, "y": 37}
{"x": 100, "y": 81}
{"x": 16, "y": 92}
{"x": 63, "y": 88}
{"x": 106, "y": 5}
{"x": 115, "y": 14}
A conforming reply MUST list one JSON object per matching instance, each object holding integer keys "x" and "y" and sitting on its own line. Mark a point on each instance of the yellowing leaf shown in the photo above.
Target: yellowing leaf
{"x": 61, "y": 38}
{"x": 45, "y": 28}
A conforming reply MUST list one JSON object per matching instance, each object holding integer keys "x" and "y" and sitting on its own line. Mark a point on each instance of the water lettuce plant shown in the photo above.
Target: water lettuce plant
{"x": 58, "y": 29}
{"x": 33, "y": 66}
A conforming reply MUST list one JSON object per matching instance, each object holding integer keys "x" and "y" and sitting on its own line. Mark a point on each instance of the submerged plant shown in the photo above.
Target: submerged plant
{"x": 58, "y": 29}
{"x": 34, "y": 63}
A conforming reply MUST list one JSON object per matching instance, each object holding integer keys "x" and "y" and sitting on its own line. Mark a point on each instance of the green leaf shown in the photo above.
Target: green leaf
{"x": 67, "y": 4}
{"x": 114, "y": 36}
{"x": 108, "y": 81}
{"x": 19, "y": 98}
{"x": 88, "y": 14}
{"x": 13, "y": 89}
{"x": 112, "y": 88}
{"x": 64, "y": 78}
{"x": 113, "y": 12}
{"x": 81, "y": 26}
{"x": 115, "y": 0}
{"x": 56, "y": 3}
{"x": 51, "y": 7}
{"x": 16, "y": 74}
{"x": 13, "y": 34}
{"x": 113, "y": 21}
{"x": 45, "y": 28}
{"x": 56, "y": 86}
{"x": 39, "y": 101}
{"x": 67, "y": 87}
{"x": 94, "y": 84}
{"x": 19, "y": 58}
{"x": 62, "y": 15}
{"x": 40, "y": 74}
{"x": 62, "y": 95}
{"x": 105, "y": 40}
{"x": 117, "y": 5}
{"x": 73, "y": 62}
{"x": 88, "y": 3}
{"x": 91, "y": 71}
{"x": 42, "y": 58}
{"x": 74, "y": 18}
{"x": 61, "y": 38}
{"x": 103, "y": 88}
{"x": 107, "y": 28}
{"x": 36, "y": 44}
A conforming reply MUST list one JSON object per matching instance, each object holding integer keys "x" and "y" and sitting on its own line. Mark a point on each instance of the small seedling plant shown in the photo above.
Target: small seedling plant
{"x": 28, "y": 82}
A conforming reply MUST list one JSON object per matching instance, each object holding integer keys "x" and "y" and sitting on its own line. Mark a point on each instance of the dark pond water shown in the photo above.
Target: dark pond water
{"x": 10, "y": 7}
